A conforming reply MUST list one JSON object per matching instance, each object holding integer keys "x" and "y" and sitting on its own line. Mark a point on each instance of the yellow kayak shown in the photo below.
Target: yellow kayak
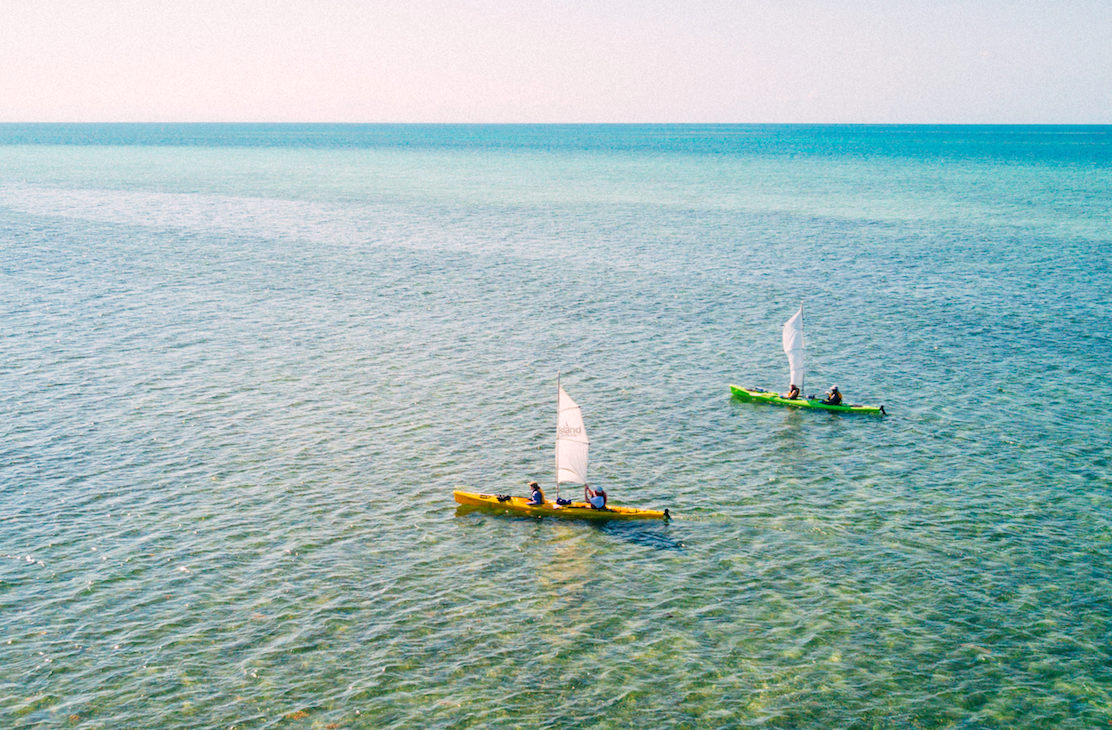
{"x": 575, "y": 510}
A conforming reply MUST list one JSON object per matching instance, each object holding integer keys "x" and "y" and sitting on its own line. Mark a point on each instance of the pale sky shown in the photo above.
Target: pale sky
{"x": 899, "y": 61}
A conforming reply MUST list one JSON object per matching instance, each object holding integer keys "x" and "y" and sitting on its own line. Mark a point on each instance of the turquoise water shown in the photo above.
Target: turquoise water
{"x": 243, "y": 367}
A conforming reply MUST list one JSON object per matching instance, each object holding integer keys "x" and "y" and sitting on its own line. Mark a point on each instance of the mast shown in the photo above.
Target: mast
{"x": 803, "y": 345}
{"x": 557, "y": 434}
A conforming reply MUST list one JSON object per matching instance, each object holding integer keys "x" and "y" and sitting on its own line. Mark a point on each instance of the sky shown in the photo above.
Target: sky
{"x": 549, "y": 61}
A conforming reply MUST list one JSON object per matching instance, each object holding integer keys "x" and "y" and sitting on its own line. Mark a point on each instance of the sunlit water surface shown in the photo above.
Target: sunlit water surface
{"x": 242, "y": 369}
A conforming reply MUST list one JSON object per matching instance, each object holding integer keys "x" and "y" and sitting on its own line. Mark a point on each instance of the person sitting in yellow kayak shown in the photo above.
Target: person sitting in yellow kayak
{"x": 793, "y": 392}
{"x": 595, "y": 497}
{"x": 537, "y": 497}
{"x": 833, "y": 397}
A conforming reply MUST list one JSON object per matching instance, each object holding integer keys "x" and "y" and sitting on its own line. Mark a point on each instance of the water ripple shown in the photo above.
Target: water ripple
{"x": 231, "y": 416}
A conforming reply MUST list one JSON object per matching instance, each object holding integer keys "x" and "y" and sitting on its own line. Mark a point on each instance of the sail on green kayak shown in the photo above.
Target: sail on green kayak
{"x": 793, "y": 347}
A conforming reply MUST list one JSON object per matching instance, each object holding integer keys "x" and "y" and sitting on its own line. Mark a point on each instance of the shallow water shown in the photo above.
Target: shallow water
{"x": 242, "y": 369}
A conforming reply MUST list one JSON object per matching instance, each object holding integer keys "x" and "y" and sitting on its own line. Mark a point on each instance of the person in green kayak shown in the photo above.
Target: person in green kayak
{"x": 833, "y": 397}
{"x": 595, "y": 497}
{"x": 537, "y": 496}
{"x": 793, "y": 392}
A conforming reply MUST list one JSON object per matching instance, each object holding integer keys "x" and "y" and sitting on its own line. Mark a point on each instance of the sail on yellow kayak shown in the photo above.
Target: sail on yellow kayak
{"x": 572, "y": 446}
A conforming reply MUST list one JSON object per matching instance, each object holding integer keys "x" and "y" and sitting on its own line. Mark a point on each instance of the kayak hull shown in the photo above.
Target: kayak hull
{"x": 573, "y": 511}
{"x": 763, "y": 396}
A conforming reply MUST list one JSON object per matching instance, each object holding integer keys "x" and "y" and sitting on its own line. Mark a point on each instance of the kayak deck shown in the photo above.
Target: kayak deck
{"x": 764, "y": 396}
{"x": 575, "y": 510}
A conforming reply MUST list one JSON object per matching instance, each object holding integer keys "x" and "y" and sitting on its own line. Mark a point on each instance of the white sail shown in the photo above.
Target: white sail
{"x": 793, "y": 346}
{"x": 571, "y": 441}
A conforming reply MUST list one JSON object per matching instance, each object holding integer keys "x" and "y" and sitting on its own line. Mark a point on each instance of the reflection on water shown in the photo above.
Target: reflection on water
{"x": 639, "y": 533}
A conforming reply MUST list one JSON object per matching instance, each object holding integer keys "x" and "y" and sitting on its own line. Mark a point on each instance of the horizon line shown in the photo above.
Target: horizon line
{"x": 561, "y": 124}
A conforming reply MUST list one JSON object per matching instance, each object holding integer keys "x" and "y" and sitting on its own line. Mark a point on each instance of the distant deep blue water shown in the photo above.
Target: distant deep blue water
{"x": 242, "y": 367}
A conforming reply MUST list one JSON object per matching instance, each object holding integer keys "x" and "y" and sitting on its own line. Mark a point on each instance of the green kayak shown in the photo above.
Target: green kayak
{"x": 764, "y": 396}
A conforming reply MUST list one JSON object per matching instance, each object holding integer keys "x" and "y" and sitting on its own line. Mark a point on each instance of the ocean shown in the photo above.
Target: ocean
{"x": 243, "y": 367}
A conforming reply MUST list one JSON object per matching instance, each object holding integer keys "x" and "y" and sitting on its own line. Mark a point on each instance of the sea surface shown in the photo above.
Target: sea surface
{"x": 242, "y": 368}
